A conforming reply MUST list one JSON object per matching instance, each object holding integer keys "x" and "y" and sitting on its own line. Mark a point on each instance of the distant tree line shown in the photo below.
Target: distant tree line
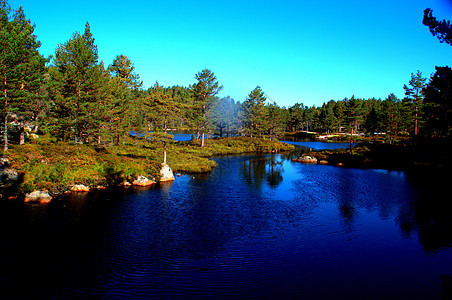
{"x": 75, "y": 97}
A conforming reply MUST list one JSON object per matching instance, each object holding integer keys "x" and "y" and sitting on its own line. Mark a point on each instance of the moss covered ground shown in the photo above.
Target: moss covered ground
{"x": 53, "y": 165}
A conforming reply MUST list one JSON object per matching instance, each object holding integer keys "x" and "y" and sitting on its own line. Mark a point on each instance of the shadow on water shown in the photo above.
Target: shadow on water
{"x": 429, "y": 212}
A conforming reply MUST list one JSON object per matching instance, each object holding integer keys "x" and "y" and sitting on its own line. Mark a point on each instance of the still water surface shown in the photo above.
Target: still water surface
{"x": 257, "y": 227}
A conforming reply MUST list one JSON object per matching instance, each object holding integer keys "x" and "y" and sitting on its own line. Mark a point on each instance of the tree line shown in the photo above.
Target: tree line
{"x": 75, "y": 97}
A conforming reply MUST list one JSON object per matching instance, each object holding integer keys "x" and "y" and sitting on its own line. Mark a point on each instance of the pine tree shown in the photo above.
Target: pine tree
{"x": 275, "y": 120}
{"x": 373, "y": 121}
{"x": 203, "y": 93}
{"x": 163, "y": 105}
{"x": 254, "y": 112}
{"x": 339, "y": 113}
{"x": 391, "y": 110}
{"x": 124, "y": 69}
{"x": 124, "y": 87}
{"x": 297, "y": 114}
{"x": 353, "y": 114}
{"x": 441, "y": 29}
{"x": 78, "y": 85}
{"x": 21, "y": 68}
{"x": 438, "y": 100}
{"x": 415, "y": 96}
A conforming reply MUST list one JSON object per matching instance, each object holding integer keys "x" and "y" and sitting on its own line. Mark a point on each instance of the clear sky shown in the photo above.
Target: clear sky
{"x": 298, "y": 51}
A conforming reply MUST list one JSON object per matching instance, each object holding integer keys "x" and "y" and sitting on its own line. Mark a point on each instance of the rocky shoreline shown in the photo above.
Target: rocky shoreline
{"x": 9, "y": 178}
{"x": 46, "y": 168}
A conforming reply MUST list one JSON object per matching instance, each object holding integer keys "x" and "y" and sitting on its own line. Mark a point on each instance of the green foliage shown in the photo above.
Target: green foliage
{"x": 203, "y": 95}
{"x": 254, "y": 113}
{"x": 57, "y": 165}
{"x": 275, "y": 121}
{"x": 78, "y": 88}
{"x": 438, "y": 100}
{"x": 123, "y": 69}
{"x": 441, "y": 29}
{"x": 22, "y": 70}
{"x": 413, "y": 103}
{"x": 78, "y": 100}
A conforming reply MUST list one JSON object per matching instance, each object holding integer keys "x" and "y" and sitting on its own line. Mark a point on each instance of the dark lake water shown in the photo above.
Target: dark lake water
{"x": 257, "y": 227}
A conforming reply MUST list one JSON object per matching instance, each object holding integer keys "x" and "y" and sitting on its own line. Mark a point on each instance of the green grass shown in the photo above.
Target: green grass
{"x": 55, "y": 165}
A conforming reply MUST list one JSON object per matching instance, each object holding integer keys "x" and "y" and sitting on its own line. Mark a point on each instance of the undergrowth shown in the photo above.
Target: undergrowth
{"x": 55, "y": 165}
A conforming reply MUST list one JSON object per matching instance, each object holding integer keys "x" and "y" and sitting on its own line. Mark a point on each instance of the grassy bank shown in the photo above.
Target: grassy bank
{"x": 46, "y": 163}
{"x": 404, "y": 155}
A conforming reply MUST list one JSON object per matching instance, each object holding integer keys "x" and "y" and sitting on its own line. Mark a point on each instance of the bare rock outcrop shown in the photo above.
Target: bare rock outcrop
{"x": 143, "y": 181}
{"x": 38, "y": 197}
{"x": 166, "y": 174}
{"x": 8, "y": 176}
{"x": 79, "y": 188}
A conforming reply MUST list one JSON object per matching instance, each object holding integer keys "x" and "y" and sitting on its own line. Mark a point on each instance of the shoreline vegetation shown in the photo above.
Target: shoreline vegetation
{"x": 379, "y": 152}
{"x": 46, "y": 164}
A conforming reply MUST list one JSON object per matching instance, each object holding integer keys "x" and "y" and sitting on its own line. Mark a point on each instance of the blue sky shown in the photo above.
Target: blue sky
{"x": 298, "y": 51}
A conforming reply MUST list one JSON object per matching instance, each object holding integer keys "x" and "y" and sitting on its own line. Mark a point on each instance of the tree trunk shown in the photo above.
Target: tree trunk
{"x": 203, "y": 128}
{"x": 5, "y": 133}
{"x": 351, "y": 143}
{"x": 164, "y": 153}
{"x": 21, "y": 134}
{"x": 164, "y": 143}
{"x": 197, "y": 132}
{"x": 415, "y": 121}
{"x": 166, "y": 122}
{"x": 5, "y": 128}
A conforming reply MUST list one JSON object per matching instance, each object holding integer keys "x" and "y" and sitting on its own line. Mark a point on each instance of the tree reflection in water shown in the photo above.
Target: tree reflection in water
{"x": 264, "y": 169}
{"x": 429, "y": 212}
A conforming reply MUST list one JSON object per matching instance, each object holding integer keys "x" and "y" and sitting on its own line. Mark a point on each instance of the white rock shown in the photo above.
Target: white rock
{"x": 166, "y": 173}
{"x": 143, "y": 181}
{"x": 79, "y": 188}
{"x": 38, "y": 196}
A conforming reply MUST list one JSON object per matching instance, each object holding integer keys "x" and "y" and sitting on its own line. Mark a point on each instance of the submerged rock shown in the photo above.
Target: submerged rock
{"x": 143, "y": 181}
{"x": 38, "y": 196}
{"x": 166, "y": 173}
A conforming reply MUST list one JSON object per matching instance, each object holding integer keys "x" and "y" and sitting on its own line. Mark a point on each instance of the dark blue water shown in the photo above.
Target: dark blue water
{"x": 318, "y": 145}
{"x": 255, "y": 228}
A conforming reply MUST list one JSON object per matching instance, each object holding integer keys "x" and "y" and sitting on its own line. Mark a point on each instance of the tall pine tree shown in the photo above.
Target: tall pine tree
{"x": 78, "y": 84}
{"x": 254, "y": 112}
{"x": 21, "y": 69}
{"x": 203, "y": 93}
{"x": 415, "y": 96}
